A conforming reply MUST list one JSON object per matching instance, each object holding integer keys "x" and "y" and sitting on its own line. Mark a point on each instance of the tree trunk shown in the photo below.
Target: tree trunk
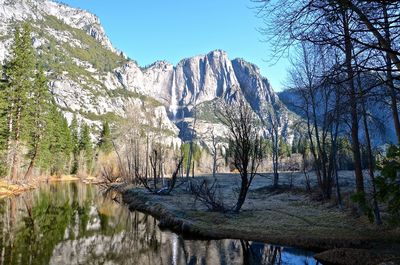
{"x": 275, "y": 156}
{"x": 313, "y": 151}
{"x": 189, "y": 161}
{"x": 308, "y": 186}
{"x": 321, "y": 159}
{"x": 16, "y": 158}
{"x": 9, "y": 140}
{"x": 243, "y": 192}
{"x": 353, "y": 108}
{"x": 31, "y": 165}
{"x": 393, "y": 103}
{"x": 214, "y": 154}
{"x": 15, "y": 163}
{"x": 214, "y": 170}
{"x": 338, "y": 195}
{"x": 147, "y": 157}
{"x": 275, "y": 168}
{"x": 193, "y": 169}
{"x": 153, "y": 162}
{"x": 334, "y": 137}
{"x": 371, "y": 167}
{"x": 191, "y": 144}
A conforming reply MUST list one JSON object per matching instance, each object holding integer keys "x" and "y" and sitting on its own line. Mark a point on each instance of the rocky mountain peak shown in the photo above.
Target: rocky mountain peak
{"x": 162, "y": 65}
{"x": 21, "y": 10}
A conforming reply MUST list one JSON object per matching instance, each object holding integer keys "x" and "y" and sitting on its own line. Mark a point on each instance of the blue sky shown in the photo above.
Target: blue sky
{"x": 175, "y": 29}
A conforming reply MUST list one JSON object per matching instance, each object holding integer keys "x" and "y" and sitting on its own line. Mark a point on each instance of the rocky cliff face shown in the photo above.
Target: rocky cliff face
{"x": 80, "y": 60}
{"x": 90, "y": 78}
{"x": 19, "y": 10}
{"x": 199, "y": 80}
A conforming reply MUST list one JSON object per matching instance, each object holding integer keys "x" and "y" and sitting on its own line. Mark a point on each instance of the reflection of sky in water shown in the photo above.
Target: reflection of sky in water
{"x": 269, "y": 254}
{"x": 298, "y": 257}
{"x": 73, "y": 224}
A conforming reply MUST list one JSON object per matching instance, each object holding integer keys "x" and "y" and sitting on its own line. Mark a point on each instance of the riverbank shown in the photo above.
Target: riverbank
{"x": 287, "y": 217}
{"x": 8, "y": 188}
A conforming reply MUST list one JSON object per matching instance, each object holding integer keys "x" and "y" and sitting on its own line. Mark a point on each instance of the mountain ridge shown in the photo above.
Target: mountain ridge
{"x": 96, "y": 82}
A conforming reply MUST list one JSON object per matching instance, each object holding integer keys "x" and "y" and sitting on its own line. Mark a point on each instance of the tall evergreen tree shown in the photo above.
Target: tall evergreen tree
{"x": 60, "y": 147}
{"x": 85, "y": 145}
{"x": 20, "y": 74}
{"x": 38, "y": 118}
{"x": 284, "y": 149}
{"x": 67, "y": 141}
{"x": 75, "y": 144}
{"x": 4, "y": 128}
{"x": 105, "y": 142}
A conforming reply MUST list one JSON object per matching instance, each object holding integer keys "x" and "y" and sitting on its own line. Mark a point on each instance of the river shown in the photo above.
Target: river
{"x": 73, "y": 223}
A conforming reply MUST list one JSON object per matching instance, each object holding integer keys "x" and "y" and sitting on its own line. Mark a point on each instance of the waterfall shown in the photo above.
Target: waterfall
{"x": 173, "y": 107}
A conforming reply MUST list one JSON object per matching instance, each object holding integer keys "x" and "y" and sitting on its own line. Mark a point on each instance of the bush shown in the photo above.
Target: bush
{"x": 388, "y": 183}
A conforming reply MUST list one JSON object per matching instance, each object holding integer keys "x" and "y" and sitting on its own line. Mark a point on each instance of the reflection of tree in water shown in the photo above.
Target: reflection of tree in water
{"x": 257, "y": 253}
{"x": 264, "y": 254}
{"x": 35, "y": 224}
{"x": 70, "y": 224}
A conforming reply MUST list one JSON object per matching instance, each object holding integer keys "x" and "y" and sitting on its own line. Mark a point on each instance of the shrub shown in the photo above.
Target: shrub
{"x": 388, "y": 183}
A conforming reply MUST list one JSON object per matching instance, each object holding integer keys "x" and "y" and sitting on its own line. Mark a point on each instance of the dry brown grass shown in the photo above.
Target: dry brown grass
{"x": 287, "y": 217}
{"x": 8, "y": 189}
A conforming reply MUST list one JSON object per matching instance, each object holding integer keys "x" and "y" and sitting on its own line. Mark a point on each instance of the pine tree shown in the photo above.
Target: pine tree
{"x": 20, "y": 74}
{"x": 75, "y": 144}
{"x": 37, "y": 119}
{"x": 303, "y": 147}
{"x": 284, "y": 149}
{"x": 67, "y": 142}
{"x": 85, "y": 145}
{"x": 4, "y": 128}
{"x": 105, "y": 142}
{"x": 59, "y": 145}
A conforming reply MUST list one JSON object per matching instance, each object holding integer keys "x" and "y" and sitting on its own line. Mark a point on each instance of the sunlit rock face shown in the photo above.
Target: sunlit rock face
{"x": 91, "y": 79}
{"x": 18, "y": 10}
{"x": 204, "y": 78}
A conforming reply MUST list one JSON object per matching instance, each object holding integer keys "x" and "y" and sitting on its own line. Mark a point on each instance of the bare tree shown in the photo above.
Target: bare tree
{"x": 363, "y": 35}
{"x": 142, "y": 152}
{"x": 370, "y": 158}
{"x": 244, "y": 141}
{"x": 347, "y": 27}
{"x": 272, "y": 126}
{"x": 209, "y": 195}
{"x": 211, "y": 136}
{"x": 319, "y": 104}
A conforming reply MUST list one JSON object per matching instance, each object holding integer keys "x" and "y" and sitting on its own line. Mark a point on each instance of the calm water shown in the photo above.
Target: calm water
{"x": 72, "y": 223}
